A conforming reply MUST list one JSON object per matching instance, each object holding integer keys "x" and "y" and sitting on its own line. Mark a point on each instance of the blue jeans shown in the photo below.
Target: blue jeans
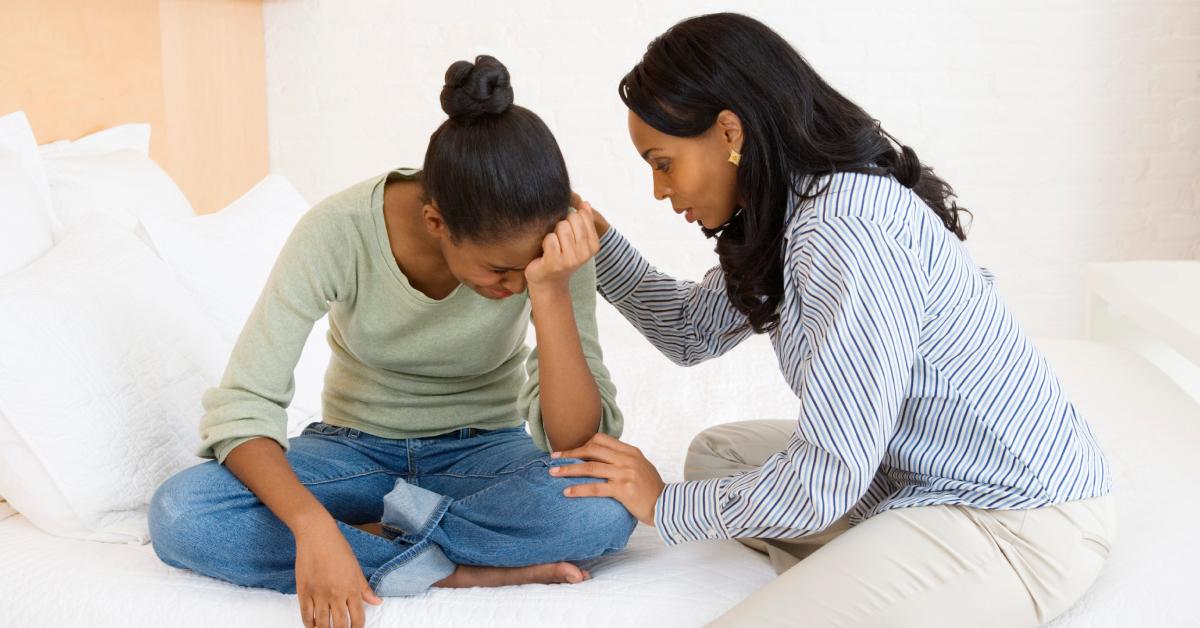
{"x": 469, "y": 497}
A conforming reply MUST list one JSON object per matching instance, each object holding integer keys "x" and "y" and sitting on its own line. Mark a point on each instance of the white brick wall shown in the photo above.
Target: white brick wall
{"x": 1070, "y": 128}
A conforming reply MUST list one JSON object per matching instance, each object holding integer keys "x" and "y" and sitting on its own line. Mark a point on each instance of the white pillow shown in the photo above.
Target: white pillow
{"x": 110, "y": 172}
{"x": 106, "y": 357}
{"x": 224, "y": 259}
{"x": 26, "y": 224}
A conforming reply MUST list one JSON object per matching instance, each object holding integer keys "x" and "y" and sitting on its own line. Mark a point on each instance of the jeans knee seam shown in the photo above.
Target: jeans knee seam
{"x": 488, "y": 476}
{"x": 351, "y": 476}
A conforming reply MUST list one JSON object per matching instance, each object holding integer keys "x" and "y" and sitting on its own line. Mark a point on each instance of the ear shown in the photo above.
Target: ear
{"x": 431, "y": 217}
{"x": 730, "y": 126}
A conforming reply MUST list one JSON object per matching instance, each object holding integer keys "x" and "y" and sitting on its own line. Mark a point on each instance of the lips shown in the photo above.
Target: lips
{"x": 687, "y": 213}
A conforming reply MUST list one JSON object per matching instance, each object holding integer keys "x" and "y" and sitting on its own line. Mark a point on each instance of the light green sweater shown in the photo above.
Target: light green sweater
{"x": 404, "y": 365}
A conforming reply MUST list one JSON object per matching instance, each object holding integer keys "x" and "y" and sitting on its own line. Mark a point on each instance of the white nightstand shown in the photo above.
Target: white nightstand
{"x": 1153, "y": 309}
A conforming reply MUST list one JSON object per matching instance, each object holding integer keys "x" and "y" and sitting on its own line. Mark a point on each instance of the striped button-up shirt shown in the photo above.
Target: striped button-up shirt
{"x": 916, "y": 385}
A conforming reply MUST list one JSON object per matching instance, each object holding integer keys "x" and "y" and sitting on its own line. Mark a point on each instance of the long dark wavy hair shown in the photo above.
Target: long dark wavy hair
{"x": 794, "y": 124}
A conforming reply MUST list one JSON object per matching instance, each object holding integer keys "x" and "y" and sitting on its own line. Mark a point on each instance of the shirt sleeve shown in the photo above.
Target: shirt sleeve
{"x": 258, "y": 383}
{"x": 583, "y": 302}
{"x": 688, "y": 322}
{"x": 851, "y": 341}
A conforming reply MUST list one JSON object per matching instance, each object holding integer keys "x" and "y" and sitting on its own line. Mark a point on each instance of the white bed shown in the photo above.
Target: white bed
{"x": 136, "y": 309}
{"x": 1148, "y": 426}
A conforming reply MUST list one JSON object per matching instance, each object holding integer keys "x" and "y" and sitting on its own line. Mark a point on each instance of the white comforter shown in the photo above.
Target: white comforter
{"x": 1149, "y": 428}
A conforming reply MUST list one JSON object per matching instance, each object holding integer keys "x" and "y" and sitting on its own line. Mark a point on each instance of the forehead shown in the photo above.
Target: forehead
{"x": 509, "y": 252}
{"x": 643, "y": 135}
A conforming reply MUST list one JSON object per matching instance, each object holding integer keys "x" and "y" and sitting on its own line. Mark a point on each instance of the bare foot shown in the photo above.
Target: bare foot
{"x": 550, "y": 573}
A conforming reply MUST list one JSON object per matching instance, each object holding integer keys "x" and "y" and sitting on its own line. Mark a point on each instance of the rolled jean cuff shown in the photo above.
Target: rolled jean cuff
{"x": 410, "y": 512}
{"x": 413, "y": 572}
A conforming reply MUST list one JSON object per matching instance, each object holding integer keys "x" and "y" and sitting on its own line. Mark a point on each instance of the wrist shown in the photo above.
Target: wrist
{"x": 550, "y": 290}
{"x": 317, "y": 522}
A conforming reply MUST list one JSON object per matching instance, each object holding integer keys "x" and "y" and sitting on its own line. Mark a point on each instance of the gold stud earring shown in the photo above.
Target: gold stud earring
{"x": 735, "y": 157}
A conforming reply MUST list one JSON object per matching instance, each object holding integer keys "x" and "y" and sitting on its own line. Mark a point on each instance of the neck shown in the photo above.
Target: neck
{"x": 416, "y": 251}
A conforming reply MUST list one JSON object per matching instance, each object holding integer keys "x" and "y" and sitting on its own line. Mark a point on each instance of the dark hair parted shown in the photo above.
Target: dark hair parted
{"x": 493, "y": 169}
{"x": 794, "y": 124}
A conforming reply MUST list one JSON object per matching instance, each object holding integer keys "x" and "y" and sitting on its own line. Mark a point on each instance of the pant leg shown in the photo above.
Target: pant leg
{"x": 732, "y": 448}
{"x": 501, "y": 505}
{"x": 942, "y": 566}
{"x": 204, "y": 519}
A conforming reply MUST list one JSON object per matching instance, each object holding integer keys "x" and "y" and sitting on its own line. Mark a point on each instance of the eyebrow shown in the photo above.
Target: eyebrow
{"x": 502, "y": 267}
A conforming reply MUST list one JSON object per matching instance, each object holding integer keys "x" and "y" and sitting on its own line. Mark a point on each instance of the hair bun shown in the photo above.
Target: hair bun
{"x": 474, "y": 90}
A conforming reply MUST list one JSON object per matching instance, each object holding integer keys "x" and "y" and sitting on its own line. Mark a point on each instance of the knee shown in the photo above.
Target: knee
{"x": 174, "y": 515}
{"x": 731, "y": 448}
{"x": 602, "y": 518}
{"x": 705, "y": 455}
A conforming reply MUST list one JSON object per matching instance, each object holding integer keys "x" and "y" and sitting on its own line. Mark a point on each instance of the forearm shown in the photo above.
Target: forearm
{"x": 261, "y": 465}
{"x": 569, "y": 397}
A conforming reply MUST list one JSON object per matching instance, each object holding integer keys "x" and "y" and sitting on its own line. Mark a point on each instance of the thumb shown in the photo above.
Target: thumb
{"x": 369, "y": 596}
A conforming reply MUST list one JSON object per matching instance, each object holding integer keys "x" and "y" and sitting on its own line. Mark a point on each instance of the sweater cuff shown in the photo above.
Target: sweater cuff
{"x": 689, "y": 511}
{"x": 619, "y": 267}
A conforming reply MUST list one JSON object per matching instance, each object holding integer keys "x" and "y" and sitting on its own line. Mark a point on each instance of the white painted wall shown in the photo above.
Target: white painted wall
{"x": 1070, "y": 128}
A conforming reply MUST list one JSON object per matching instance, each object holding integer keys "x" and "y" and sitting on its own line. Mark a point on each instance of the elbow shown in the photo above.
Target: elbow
{"x": 687, "y": 357}
{"x": 562, "y": 437}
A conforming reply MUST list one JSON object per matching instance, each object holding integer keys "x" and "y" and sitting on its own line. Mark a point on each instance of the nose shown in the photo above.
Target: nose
{"x": 661, "y": 190}
{"x": 514, "y": 282}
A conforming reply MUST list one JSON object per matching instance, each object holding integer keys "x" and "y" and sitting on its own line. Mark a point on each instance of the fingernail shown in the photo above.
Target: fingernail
{"x": 567, "y": 492}
{"x": 553, "y": 470}
{"x": 557, "y": 454}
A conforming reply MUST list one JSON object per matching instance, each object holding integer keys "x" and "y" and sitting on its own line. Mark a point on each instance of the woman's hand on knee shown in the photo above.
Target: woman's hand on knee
{"x": 329, "y": 581}
{"x": 630, "y": 478}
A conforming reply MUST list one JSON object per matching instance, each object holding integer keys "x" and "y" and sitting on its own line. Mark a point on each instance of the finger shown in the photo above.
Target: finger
{"x": 369, "y": 596}
{"x": 358, "y": 617}
{"x": 321, "y": 613}
{"x": 585, "y": 470}
{"x": 591, "y": 489}
{"x": 576, "y": 200}
{"x": 306, "y": 611}
{"x": 550, "y": 246}
{"x": 579, "y": 229}
{"x": 340, "y": 614}
{"x": 566, "y": 238}
{"x": 589, "y": 451}
{"x": 589, "y": 218}
{"x": 605, "y": 440}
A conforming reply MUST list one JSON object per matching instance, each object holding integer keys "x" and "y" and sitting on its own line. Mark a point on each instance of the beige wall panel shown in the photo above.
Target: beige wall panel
{"x": 193, "y": 69}
{"x": 214, "y": 86}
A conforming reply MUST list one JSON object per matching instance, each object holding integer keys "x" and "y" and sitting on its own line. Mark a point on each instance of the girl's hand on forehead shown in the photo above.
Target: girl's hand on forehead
{"x": 569, "y": 246}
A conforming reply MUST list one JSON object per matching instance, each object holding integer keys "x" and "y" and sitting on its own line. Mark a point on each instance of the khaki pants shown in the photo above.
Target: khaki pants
{"x": 923, "y": 566}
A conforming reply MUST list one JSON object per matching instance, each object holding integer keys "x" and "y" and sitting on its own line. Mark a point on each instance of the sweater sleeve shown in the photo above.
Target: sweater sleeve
{"x": 258, "y": 383}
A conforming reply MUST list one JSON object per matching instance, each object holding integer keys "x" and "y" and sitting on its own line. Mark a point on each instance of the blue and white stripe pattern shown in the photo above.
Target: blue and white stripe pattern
{"x": 916, "y": 385}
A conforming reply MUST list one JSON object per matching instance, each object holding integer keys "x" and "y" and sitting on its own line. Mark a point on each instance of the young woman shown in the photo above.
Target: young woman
{"x": 429, "y": 278}
{"x": 928, "y": 421}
